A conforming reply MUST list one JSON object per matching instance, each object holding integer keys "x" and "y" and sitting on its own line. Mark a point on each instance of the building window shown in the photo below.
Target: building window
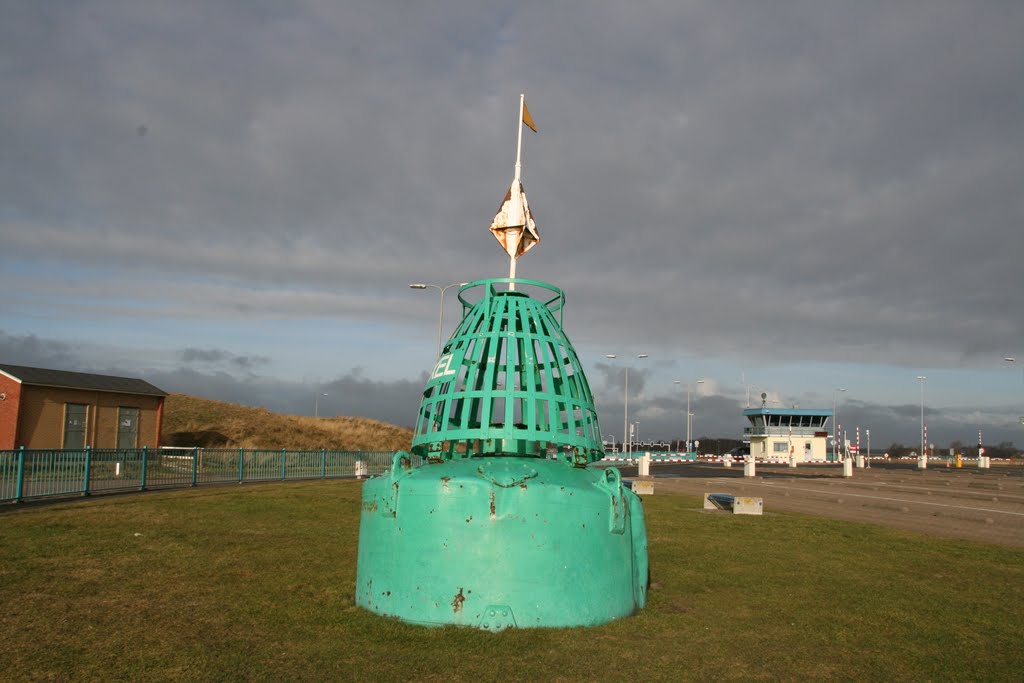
{"x": 127, "y": 427}
{"x": 74, "y": 425}
{"x": 781, "y": 447}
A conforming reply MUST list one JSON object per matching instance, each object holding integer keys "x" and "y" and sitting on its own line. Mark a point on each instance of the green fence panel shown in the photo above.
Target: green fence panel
{"x": 8, "y": 475}
{"x": 40, "y": 473}
{"x": 114, "y": 469}
{"x": 169, "y": 468}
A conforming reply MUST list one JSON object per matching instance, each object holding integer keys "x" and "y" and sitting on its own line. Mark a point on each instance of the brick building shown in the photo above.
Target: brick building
{"x": 41, "y": 408}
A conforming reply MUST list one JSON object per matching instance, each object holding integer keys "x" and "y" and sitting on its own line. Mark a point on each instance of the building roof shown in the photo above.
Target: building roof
{"x": 787, "y": 411}
{"x": 42, "y": 377}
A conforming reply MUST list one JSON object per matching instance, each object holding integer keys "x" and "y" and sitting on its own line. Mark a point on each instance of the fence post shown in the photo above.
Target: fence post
{"x": 323, "y": 463}
{"x": 284, "y": 462}
{"x": 145, "y": 458}
{"x": 195, "y": 462}
{"x": 241, "y": 463}
{"x": 19, "y": 489}
{"x": 88, "y": 469}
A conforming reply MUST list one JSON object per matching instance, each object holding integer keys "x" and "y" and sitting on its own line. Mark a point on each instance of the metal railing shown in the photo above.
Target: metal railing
{"x": 33, "y": 474}
{"x": 784, "y": 430}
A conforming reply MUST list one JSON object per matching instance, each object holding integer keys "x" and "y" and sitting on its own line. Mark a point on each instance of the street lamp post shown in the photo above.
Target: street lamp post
{"x": 924, "y": 452}
{"x": 316, "y": 404}
{"x": 689, "y": 415}
{"x": 612, "y": 439}
{"x": 835, "y": 423}
{"x": 440, "y": 315}
{"x": 625, "y": 404}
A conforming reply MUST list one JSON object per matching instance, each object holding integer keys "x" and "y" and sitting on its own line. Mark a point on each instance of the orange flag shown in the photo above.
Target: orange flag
{"x": 527, "y": 119}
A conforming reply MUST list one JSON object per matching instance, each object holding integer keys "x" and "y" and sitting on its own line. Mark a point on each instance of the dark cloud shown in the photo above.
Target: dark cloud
{"x": 32, "y": 351}
{"x": 204, "y": 355}
{"x": 222, "y": 357}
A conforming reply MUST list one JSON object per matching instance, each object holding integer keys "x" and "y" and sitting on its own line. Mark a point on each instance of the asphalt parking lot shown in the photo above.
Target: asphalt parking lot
{"x": 985, "y": 505}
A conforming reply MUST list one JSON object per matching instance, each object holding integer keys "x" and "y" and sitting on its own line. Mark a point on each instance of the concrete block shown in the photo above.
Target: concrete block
{"x": 643, "y": 487}
{"x": 748, "y": 505}
{"x": 738, "y": 505}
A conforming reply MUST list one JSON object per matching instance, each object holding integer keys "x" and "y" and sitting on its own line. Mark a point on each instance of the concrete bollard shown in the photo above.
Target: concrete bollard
{"x": 727, "y": 461}
{"x": 983, "y": 462}
{"x": 645, "y": 465}
{"x": 860, "y": 462}
{"x": 848, "y": 467}
{"x": 792, "y": 460}
{"x": 361, "y": 469}
{"x": 749, "y": 469}
{"x": 922, "y": 462}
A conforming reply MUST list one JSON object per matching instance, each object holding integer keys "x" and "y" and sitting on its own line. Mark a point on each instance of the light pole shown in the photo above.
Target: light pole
{"x": 440, "y": 315}
{"x": 625, "y": 403}
{"x": 835, "y": 423}
{"x": 923, "y": 454}
{"x": 316, "y": 404}
{"x": 689, "y": 415}
{"x": 613, "y": 441}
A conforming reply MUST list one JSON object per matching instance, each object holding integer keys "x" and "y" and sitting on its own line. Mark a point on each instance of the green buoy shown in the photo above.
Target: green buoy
{"x": 504, "y": 524}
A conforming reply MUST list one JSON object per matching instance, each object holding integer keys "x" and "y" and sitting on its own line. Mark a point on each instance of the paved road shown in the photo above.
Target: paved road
{"x": 972, "y": 504}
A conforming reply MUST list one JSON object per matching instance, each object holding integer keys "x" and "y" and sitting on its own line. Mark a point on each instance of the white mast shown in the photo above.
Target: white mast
{"x": 517, "y": 202}
{"x": 513, "y": 226}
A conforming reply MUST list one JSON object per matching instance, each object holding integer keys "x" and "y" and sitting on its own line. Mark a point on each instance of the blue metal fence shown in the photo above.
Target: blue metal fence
{"x": 33, "y": 474}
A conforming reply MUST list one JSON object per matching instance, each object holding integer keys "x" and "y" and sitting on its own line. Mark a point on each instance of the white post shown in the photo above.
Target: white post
{"x": 687, "y": 417}
{"x": 749, "y": 468}
{"x": 645, "y": 465}
{"x": 519, "y": 140}
{"x": 869, "y": 449}
{"x": 519, "y": 168}
{"x": 847, "y": 467}
{"x": 625, "y": 414}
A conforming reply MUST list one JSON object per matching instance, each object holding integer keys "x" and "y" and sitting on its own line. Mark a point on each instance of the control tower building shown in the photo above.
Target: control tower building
{"x": 775, "y": 433}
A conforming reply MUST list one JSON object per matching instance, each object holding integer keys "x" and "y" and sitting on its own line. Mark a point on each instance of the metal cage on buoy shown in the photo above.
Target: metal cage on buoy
{"x": 509, "y": 382}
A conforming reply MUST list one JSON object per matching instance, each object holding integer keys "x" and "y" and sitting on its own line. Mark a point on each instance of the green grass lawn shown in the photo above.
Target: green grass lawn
{"x": 256, "y": 583}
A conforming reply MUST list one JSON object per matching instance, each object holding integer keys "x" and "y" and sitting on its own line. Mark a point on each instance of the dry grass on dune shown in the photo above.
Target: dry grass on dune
{"x": 193, "y": 421}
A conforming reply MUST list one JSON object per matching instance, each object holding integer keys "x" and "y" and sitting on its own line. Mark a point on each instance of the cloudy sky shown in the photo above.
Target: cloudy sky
{"x": 229, "y": 198}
